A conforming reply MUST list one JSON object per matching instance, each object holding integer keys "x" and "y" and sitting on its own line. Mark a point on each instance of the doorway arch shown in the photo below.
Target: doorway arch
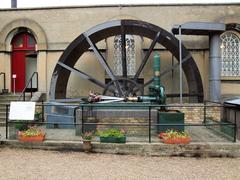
{"x": 23, "y": 59}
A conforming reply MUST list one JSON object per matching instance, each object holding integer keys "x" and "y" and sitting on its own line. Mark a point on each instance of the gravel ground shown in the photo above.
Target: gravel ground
{"x": 39, "y": 164}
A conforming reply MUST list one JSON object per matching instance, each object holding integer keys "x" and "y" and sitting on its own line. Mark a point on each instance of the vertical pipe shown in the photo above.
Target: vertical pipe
{"x": 82, "y": 120}
{"x": 13, "y": 3}
{"x": 214, "y": 68}
{"x": 235, "y": 125}
{"x": 149, "y": 124}
{"x": 180, "y": 63}
{"x": 156, "y": 70}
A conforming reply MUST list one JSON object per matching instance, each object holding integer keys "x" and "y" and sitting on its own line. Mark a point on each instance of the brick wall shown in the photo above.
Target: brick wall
{"x": 194, "y": 113}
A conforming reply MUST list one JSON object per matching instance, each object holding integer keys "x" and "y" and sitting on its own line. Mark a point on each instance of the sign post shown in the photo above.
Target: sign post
{"x": 14, "y": 76}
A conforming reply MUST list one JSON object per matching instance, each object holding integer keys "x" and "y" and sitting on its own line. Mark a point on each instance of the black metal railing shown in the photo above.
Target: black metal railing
{"x": 81, "y": 120}
{"x": 30, "y": 82}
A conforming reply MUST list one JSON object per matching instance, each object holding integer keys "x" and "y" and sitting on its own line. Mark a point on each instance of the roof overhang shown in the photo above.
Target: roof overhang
{"x": 199, "y": 28}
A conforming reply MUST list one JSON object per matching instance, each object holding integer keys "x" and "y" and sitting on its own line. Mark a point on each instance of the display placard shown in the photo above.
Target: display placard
{"x": 22, "y": 110}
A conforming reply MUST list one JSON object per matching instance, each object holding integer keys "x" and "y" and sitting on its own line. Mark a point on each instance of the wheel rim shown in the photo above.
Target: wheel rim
{"x": 82, "y": 43}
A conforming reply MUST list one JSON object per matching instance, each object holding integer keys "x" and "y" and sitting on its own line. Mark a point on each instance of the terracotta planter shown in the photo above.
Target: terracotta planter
{"x": 38, "y": 138}
{"x": 185, "y": 140}
{"x": 87, "y": 146}
{"x": 168, "y": 141}
{"x": 161, "y": 135}
{"x": 177, "y": 141}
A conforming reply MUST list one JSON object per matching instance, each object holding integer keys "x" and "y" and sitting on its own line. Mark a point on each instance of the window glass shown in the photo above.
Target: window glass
{"x": 230, "y": 54}
{"x": 130, "y": 55}
{"x": 31, "y": 41}
{"x": 19, "y": 42}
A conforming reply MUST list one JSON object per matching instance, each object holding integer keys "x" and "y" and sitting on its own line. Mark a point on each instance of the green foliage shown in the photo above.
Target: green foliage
{"x": 21, "y": 126}
{"x": 112, "y": 132}
{"x": 87, "y": 135}
{"x": 173, "y": 134}
{"x": 32, "y": 131}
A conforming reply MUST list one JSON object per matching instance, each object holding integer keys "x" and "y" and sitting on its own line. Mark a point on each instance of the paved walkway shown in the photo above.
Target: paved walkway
{"x": 22, "y": 164}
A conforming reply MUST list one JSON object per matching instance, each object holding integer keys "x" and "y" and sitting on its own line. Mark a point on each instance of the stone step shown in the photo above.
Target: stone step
{"x": 12, "y": 97}
{"x": 2, "y": 108}
{"x": 2, "y": 120}
{"x": 2, "y": 113}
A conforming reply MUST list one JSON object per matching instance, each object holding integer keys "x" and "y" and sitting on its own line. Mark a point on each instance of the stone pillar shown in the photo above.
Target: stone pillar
{"x": 214, "y": 68}
{"x": 8, "y": 70}
{"x": 42, "y": 71}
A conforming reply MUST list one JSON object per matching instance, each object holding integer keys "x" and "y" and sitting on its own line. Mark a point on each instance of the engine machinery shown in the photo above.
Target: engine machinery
{"x": 156, "y": 90}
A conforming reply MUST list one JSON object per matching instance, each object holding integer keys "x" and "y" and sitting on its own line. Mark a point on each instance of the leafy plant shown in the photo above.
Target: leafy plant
{"x": 112, "y": 132}
{"x": 31, "y": 131}
{"x": 21, "y": 126}
{"x": 173, "y": 134}
{"x": 87, "y": 135}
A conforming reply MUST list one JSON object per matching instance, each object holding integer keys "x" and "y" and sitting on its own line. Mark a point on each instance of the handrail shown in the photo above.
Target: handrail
{"x": 29, "y": 82}
{"x": 4, "y": 79}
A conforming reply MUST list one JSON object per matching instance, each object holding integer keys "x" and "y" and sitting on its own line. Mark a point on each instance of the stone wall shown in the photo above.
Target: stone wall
{"x": 194, "y": 113}
{"x": 55, "y": 28}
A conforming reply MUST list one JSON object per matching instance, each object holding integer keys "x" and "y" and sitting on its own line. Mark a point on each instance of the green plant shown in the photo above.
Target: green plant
{"x": 173, "y": 134}
{"x": 31, "y": 131}
{"x": 112, "y": 132}
{"x": 87, "y": 136}
{"x": 20, "y": 125}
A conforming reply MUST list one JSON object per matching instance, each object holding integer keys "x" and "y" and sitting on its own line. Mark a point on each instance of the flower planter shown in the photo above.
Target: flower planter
{"x": 38, "y": 138}
{"x": 177, "y": 141}
{"x": 113, "y": 139}
{"x": 87, "y": 145}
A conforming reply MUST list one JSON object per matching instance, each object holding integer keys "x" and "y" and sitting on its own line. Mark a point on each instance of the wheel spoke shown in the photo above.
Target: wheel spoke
{"x": 167, "y": 70}
{"x": 123, "y": 45}
{"x": 145, "y": 59}
{"x": 82, "y": 75}
{"x": 103, "y": 62}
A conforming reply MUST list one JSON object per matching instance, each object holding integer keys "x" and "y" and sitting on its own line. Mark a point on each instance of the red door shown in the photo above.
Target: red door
{"x": 21, "y": 45}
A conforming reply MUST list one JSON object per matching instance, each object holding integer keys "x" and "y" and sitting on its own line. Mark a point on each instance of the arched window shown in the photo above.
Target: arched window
{"x": 130, "y": 55}
{"x": 230, "y": 50}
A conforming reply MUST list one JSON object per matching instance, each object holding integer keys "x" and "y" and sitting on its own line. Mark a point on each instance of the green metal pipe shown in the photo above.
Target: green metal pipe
{"x": 156, "y": 70}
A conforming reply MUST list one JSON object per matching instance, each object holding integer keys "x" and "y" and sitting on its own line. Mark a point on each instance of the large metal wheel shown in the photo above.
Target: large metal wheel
{"x": 127, "y": 86}
{"x": 122, "y": 86}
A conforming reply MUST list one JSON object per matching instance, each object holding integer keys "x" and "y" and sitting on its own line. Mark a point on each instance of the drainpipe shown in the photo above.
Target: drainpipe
{"x": 13, "y": 3}
{"x": 214, "y": 68}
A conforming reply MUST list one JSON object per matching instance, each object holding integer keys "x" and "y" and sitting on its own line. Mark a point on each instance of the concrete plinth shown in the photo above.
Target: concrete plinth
{"x": 149, "y": 149}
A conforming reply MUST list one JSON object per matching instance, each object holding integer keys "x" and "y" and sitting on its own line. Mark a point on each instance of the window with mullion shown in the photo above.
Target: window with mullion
{"x": 230, "y": 53}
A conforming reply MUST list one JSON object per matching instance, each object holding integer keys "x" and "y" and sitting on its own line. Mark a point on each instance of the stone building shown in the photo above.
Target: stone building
{"x": 32, "y": 40}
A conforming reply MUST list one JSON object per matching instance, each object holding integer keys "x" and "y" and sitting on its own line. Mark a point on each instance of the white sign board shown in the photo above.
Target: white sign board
{"x": 22, "y": 110}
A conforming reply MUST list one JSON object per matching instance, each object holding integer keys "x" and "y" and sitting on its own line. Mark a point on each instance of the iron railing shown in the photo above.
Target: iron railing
{"x": 30, "y": 81}
{"x": 149, "y": 123}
